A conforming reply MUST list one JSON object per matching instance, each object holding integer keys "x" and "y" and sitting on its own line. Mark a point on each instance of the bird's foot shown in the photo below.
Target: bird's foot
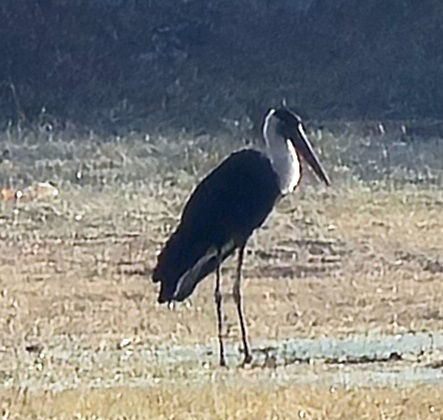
{"x": 223, "y": 362}
{"x": 247, "y": 360}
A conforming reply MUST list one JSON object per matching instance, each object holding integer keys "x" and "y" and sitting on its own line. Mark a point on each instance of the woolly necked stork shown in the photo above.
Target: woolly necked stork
{"x": 226, "y": 207}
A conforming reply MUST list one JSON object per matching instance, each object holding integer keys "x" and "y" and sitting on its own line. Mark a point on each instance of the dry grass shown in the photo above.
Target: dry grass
{"x": 77, "y": 308}
{"x": 329, "y": 270}
{"x": 241, "y": 400}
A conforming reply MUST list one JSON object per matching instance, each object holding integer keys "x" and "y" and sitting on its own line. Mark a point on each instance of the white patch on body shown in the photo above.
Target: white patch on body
{"x": 282, "y": 154}
{"x": 191, "y": 275}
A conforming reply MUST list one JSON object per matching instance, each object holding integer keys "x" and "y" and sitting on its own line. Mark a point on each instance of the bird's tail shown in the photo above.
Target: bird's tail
{"x": 169, "y": 267}
{"x": 183, "y": 263}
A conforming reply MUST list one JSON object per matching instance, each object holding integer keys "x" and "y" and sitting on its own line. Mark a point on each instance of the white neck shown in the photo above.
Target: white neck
{"x": 282, "y": 154}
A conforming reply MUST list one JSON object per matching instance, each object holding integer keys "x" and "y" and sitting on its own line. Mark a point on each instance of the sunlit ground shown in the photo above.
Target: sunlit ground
{"x": 79, "y": 323}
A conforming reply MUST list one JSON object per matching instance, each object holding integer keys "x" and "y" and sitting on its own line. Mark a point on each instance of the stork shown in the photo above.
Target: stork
{"x": 225, "y": 209}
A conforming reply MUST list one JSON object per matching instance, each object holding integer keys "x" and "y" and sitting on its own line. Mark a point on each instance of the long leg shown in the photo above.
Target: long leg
{"x": 219, "y": 301}
{"x": 239, "y": 303}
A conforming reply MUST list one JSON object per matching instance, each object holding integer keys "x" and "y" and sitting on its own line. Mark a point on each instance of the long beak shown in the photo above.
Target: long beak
{"x": 302, "y": 145}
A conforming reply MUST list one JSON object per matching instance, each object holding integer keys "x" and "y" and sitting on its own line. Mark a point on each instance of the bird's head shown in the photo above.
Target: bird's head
{"x": 281, "y": 124}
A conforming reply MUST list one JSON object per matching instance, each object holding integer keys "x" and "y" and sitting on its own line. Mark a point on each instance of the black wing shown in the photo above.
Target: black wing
{"x": 221, "y": 214}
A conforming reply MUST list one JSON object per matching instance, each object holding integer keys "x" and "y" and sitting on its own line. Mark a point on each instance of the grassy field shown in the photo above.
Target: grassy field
{"x": 216, "y": 399}
{"x": 81, "y": 333}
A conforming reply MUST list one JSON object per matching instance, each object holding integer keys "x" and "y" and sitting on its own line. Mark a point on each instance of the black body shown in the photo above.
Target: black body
{"x": 220, "y": 216}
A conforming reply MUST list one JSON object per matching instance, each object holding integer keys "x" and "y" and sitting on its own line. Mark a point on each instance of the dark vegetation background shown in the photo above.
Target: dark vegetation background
{"x": 191, "y": 64}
